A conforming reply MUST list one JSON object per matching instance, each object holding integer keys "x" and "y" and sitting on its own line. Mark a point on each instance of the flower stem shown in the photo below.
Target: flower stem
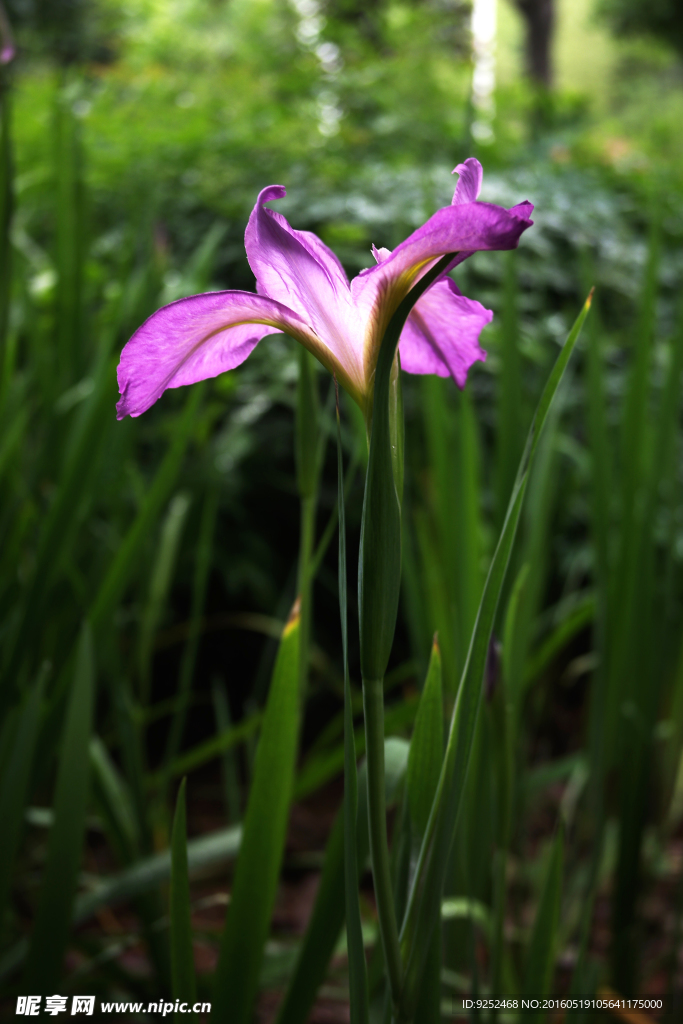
{"x": 373, "y": 708}
{"x": 308, "y": 459}
{"x": 306, "y": 539}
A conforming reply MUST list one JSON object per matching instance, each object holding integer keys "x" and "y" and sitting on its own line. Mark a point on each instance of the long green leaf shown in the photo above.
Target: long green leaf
{"x": 209, "y": 851}
{"x": 114, "y": 802}
{"x": 422, "y": 911}
{"x": 510, "y": 426}
{"x": 14, "y": 785}
{"x": 114, "y": 583}
{"x": 141, "y": 879}
{"x": 6, "y": 205}
{"x": 70, "y": 237}
{"x": 207, "y": 750}
{"x": 329, "y": 764}
{"x": 60, "y": 525}
{"x": 327, "y": 918}
{"x": 265, "y": 825}
{"x": 231, "y": 785}
{"x": 199, "y": 584}
{"x": 542, "y": 952}
{"x": 449, "y": 538}
{"x": 53, "y": 918}
{"x": 160, "y": 582}
{"x": 426, "y": 747}
{"x": 322, "y": 933}
{"x": 576, "y": 620}
{"x": 182, "y": 956}
{"x": 422, "y": 780}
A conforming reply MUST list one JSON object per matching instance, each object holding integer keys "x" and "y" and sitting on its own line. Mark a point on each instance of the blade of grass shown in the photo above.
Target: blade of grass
{"x": 118, "y": 574}
{"x": 542, "y": 952}
{"x": 14, "y": 786}
{"x": 540, "y": 500}
{"x": 150, "y": 906}
{"x": 422, "y": 779}
{"x": 209, "y": 851}
{"x": 6, "y": 209}
{"x": 207, "y": 751}
{"x": 160, "y": 581}
{"x": 231, "y": 787}
{"x": 426, "y": 747}
{"x": 320, "y": 769}
{"x": 114, "y": 802}
{"x": 438, "y": 536}
{"x": 53, "y": 917}
{"x": 634, "y": 640}
{"x": 578, "y": 618}
{"x": 265, "y": 824}
{"x": 509, "y": 432}
{"x": 438, "y": 595}
{"x": 59, "y": 527}
{"x": 182, "y": 955}
{"x": 69, "y": 202}
{"x": 425, "y": 895}
{"x": 199, "y": 584}
{"x": 503, "y": 710}
{"x": 469, "y": 574}
{"x": 327, "y": 918}
{"x": 414, "y": 601}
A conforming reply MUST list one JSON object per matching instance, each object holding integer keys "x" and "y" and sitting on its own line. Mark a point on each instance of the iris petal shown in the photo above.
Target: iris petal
{"x": 469, "y": 183}
{"x": 297, "y": 269}
{"x": 196, "y": 338}
{"x": 463, "y": 229}
{"x": 303, "y": 290}
{"x": 441, "y": 335}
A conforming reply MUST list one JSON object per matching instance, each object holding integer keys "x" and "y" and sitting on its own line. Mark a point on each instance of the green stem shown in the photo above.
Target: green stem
{"x": 373, "y": 707}
{"x": 305, "y": 578}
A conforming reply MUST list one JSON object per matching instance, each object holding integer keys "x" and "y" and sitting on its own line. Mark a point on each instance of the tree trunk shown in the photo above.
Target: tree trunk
{"x": 539, "y": 18}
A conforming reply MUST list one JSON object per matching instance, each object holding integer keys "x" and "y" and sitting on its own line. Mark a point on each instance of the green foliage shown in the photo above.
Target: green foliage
{"x": 426, "y": 747}
{"x": 660, "y": 18}
{"x": 265, "y": 825}
{"x": 423, "y": 908}
{"x": 127, "y": 184}
{"x": 542, "y": 950}
{"x": 53, "y": 916}
{"x": 182, "y": 956}
{"x": 15, "y": 784}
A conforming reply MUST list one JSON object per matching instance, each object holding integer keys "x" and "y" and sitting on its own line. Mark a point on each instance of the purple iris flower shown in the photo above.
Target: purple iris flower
{"x": 303, "y": 291}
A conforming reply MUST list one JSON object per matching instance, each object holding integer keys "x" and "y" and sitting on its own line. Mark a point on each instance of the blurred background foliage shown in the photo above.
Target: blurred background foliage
{"x": 135, "y": 137}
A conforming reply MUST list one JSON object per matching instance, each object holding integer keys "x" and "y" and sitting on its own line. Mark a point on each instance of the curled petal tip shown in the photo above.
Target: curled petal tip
{"x": 270, "y": 192}
{"x": 380, "y": 254}
{"x": 469, "y": 184}
{"x": 471, "y": 163}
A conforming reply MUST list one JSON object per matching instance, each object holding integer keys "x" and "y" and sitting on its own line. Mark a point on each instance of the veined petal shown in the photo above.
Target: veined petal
{"x": 469, "y": 183}
{"x": 462, "y": 228}
{"x": 441, "y": 335}
{"x": 201, "y": 336}
{"x": 297, "y": 269}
